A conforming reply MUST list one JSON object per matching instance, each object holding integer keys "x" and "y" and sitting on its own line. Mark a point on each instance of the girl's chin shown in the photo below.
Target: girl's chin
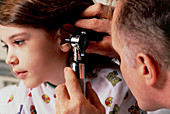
{"x": 31, "y": 85}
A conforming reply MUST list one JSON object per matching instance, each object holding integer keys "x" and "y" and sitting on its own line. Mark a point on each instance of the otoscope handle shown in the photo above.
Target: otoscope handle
{"x": 79, "y": 43}
{"x": 80, "y": 73}
{"x": 82, "y": 83}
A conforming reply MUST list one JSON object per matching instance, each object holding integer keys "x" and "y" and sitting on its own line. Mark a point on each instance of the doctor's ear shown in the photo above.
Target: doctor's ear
{"x": 147, "y": 68}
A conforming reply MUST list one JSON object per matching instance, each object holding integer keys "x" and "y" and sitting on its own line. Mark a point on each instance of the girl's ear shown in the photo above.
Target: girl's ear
{"x": 64, "y": 32}
{"x": 65, "y": 47}
{"x": 147, "y": 68}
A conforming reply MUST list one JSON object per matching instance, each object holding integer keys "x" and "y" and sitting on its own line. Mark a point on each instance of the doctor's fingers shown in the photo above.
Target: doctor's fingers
{"x": 100, "y": 10}
{"x": 94, "y": 99}
{"x": 62, "y": 98}
{"x": 61, "y": 93}
{"x": 73, "y": 85}
{"x": 98, "y": 25}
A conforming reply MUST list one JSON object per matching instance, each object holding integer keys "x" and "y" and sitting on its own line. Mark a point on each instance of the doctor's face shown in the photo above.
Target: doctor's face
{"x": 131, "y": 74}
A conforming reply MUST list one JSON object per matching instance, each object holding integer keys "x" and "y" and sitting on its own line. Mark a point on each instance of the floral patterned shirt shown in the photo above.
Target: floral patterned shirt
{"x": 109, "y": 85}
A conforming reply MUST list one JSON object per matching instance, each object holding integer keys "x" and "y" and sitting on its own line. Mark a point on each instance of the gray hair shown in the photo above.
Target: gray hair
{"x": 144, "y": 26}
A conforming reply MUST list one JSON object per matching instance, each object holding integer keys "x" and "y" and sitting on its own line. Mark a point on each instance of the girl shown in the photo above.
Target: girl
{"x": 33, "y": 33}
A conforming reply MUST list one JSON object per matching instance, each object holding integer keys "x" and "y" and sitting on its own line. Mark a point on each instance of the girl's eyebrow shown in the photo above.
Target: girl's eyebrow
{"x": 17, "y": 34}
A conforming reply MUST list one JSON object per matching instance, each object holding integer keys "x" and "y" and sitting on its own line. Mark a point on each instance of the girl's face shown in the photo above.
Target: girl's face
{"x": 33, "y": 56}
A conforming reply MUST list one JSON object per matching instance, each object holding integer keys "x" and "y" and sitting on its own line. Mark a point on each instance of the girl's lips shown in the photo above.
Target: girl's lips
{"x": 21, "y": 75}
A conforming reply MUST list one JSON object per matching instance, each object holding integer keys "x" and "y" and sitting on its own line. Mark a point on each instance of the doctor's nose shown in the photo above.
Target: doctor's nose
{"x": 11, "y": 59}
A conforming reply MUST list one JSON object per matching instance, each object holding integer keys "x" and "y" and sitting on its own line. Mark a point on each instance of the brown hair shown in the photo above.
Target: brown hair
{"x": 46, "y": 14}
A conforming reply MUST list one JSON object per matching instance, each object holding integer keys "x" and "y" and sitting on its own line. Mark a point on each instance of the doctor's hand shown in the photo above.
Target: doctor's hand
{"x": 101, "y": 24}
{"x": 71, "y": 100}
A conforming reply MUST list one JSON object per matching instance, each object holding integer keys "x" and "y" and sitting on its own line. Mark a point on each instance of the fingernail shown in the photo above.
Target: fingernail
{"x": 65, "y": 70}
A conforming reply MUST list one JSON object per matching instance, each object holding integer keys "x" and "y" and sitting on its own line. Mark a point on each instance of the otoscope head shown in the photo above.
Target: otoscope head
{"x": 80, "y": 42}
{"x": 82, "y": 38}
{"x": 83, "y": 43}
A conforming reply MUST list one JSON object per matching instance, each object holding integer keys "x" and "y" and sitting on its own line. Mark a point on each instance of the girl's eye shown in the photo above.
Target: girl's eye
{"x": 19, "y": 42}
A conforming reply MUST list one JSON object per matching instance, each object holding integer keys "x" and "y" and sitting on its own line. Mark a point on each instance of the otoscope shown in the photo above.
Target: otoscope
{"x": 79, "y": 43}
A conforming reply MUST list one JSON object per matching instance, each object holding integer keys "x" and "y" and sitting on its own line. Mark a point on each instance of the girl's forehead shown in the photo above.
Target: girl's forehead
{"x": 9, "y": 30}
{"x": 16, "y": 29}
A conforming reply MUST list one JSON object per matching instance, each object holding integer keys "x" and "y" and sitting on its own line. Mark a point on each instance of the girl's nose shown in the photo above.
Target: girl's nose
{"x": 11, "y": 60}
